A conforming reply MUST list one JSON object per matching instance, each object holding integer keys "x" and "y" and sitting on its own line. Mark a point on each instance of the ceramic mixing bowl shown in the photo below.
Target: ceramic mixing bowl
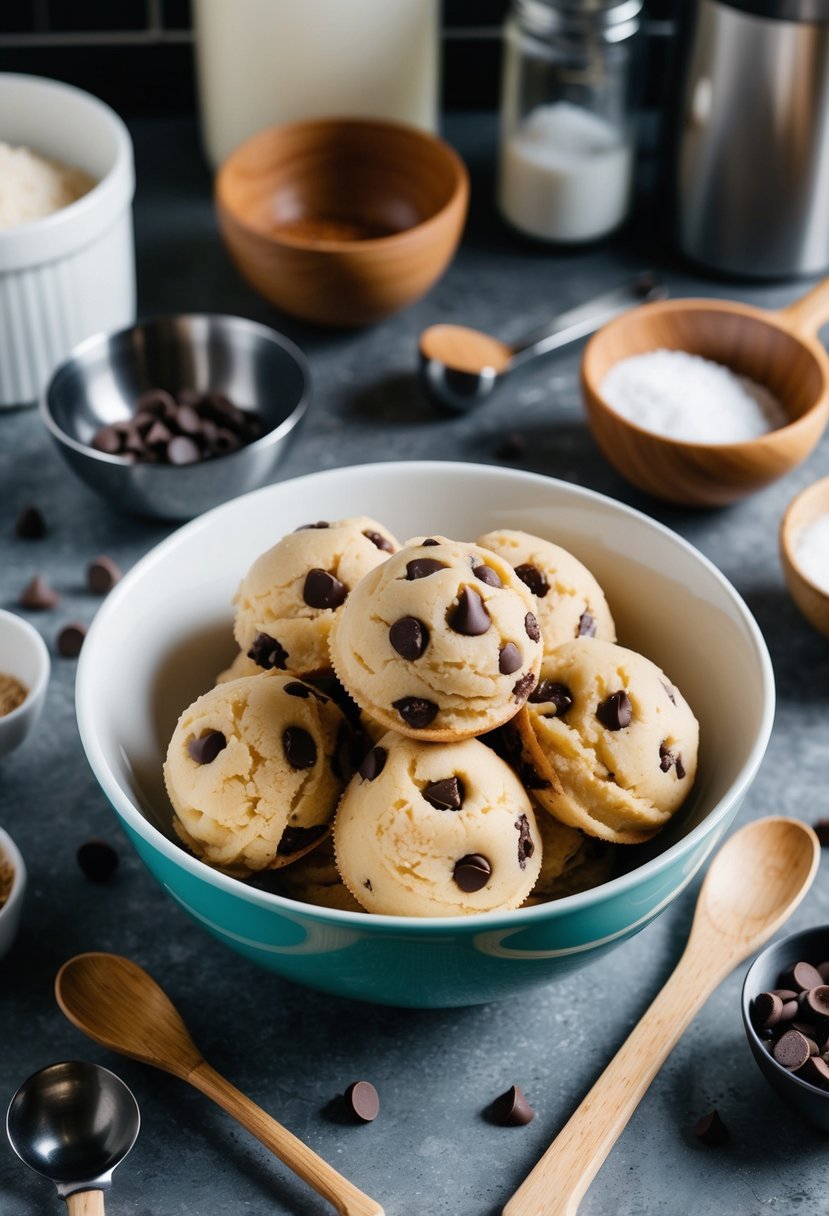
{"x": 175, "y": 607}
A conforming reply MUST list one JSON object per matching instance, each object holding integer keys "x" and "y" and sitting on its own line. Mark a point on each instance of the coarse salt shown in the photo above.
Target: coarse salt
{"x": 32, "y": 187}
{"x": 811, "y": 551}
{"x": 686, "y": 397}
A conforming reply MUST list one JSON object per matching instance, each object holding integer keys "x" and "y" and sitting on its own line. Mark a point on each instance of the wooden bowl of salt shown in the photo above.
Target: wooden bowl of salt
{"x": 804, "y": 552}
{"x": 702, "y": 402}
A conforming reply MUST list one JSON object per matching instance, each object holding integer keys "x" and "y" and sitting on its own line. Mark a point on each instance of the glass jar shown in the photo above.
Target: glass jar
{"x": 566, "y": 148}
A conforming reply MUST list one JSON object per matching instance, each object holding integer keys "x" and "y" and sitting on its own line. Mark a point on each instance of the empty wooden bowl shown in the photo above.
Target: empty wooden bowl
{"x": 778, "y": 349}
{"x": 342, "y": 221}
{"x": 806, "y": 508}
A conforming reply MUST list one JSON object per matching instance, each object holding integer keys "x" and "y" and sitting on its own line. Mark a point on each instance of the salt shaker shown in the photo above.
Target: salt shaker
{"x": 567, "y": 149}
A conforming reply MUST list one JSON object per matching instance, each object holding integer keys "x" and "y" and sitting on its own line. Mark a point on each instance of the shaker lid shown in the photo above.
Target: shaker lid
{"x": 816, "y": 11}
{"x": 614, "y": 19}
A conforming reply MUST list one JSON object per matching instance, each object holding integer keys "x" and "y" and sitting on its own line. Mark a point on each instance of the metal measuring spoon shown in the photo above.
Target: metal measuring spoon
{"x": 460, "y": 367}
{"x": 73, "y": 1123}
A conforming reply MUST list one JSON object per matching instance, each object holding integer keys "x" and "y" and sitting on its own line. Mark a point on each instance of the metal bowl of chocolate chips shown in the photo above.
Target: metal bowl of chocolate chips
{"x": 786, "y": 1020}
{"x": 178, "y": 414}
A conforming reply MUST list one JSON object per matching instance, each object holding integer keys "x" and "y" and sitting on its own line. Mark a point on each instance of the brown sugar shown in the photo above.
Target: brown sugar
{"x": 12, "y": 693}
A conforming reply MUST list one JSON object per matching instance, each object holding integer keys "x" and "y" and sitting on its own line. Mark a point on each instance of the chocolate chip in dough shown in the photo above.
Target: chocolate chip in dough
{"x": 416, "y": 712}
{"x": 445, "y": 795}
{"x": 268, "y": 653}
{"x": 526, "y": 845}
{"x": 486, "y": 574}
{"x": 379, "y": 541}
{"x": 422, "y": 567}
{"x": 207, "y": 746}
{"x": 550, "y": 692}
{"x": 294, "y": 839}
{"x": 409, "y": 637}
{"x": 669, "y": 759}
{"x": 70, "y": 639}
{"x": 511, "y": 1109}
{"x": 469, "y": 618}
{"x": 522, "y": 688}
{"x": 587, "y": 626}
{"x": 615, "y": 712}
{"x": 373, "y": 763}
{"x": 711, "y": 1130}
{"x": 98, "y": 860}
{"x": 533, "y": 578}
{"x": 38, "y": 595}
{"x": 472, "y": 872}
{"x": 321, "y": 523}
{"x": 101, "y": 575}
{"x": 300, "y": 749}
{"x": 509, "y": 659}
{"x": 531, "y": 627}
{"x": 30, "y": 524}
{"x": 322, "y": 589}
{"x": 362, "y": 1101}
{"x": 430, "y": 540}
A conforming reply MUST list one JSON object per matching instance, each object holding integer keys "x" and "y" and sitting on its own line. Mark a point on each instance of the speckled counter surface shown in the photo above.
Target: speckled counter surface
{"x": 430, "y": 1153}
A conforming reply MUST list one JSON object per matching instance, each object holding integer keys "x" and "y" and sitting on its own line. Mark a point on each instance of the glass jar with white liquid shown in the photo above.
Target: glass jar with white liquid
{"x": 566, "y": 152}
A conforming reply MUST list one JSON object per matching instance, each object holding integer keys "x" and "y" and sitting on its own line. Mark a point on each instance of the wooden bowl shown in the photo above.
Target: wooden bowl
{"x": 342, "y": 221}
{"x": 778, "y": 349}
{"x": 804, "y": 509}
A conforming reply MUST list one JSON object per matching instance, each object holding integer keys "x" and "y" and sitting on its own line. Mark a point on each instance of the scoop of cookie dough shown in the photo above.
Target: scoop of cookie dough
{"x": 254, "y": 770}
{"x": 570, "y": 860}
{"x": 241, "y": 666}
{"x": 288, "y": 599}
{"x": 315, "y": 879}
{"x": 440, "y": 642}
{"x": 427, "y": 829}
{"x": 610, "y": 742}
{"x": 569, "y": 603}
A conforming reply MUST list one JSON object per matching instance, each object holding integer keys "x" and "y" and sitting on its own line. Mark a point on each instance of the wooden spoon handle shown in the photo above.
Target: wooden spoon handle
{"x": 557, "y": 1183}
{"x": 810, "y": 312}
{"x": 324, "y": 1179}
{"x": 85, "y": 1203}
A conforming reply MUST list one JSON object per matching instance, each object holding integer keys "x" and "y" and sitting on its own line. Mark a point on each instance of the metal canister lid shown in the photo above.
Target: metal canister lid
{"x": 815, "y": 12}
{"x": 613, "y": 20}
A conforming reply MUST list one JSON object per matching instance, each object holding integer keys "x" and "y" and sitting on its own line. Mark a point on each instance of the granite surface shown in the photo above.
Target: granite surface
{"x": 430, "y": 1153}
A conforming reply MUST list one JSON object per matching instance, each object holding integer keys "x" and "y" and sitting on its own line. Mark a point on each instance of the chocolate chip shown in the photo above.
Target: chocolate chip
{"x": 816, "y": 1072}
{"x": 182, "y": 450}
{"x": 188, "y": 421}
{"x": 815, "y": 1002}
{"x": 268, "y": 653}
{"x": 801, "y": 977}
{"x": 430, "y": 540}
{"x": 101, "y": 575}
{"x": 379, "y": 541}
{"x": 509, "y": 659}
{"x": 587, "y": 626}
{"x": 295, "y": 689}
{"x": 530, "y": 779}
{"x": 158, "y": 436}
{"x": 766, "y": 1009}
{"x": 367, "y": 885}
{"x": 472, "y": 872}
{"x": 422, "y": 567}
{"x": 791, "y": 1050}
{"x": 549, "y": 692}
{"x": 711, "y": 1130}
{"x": 70, "y": 639}
{"x": 294, "y": 839}
{"x": 98, "y": 860}
{"x": 39, "y": 595}
{"x": 615, "y": 711}
{"x": 470, "y": 618}
{"x": 526, "y": 844}
{"x": 207, "y": 746}
{"x": 417, "y": 712}
{"x": 362, "y": 1101}
{"x": 321, "y": 523}
{"x": 445, "y": 795}
{"x": 323, "y": 590}
{"x": 821, "y": 827}
{"x": 533, "y": 578}
{"x": 300, "y": 749}
{"x": 531, "y": 627}
{"x": 823, "y": 972}
{"x": 108, "y": 440}
{"x": 373, "y": 764}
{"x": 669, "y": 691}
{"x": 30, "y": 524}
{"x": 409, "y": 637}
{"x": 523, "y": 687}
{"x": 511, "y": 1109}
{"x": 156, "y": 401}
{"x": 512, "y": 446}
{"x": 667, "y": 759}
{"x": 487, "y": 575}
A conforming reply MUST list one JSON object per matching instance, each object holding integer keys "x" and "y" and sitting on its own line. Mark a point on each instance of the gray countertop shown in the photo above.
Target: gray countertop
{"x": 430, "y": 1153}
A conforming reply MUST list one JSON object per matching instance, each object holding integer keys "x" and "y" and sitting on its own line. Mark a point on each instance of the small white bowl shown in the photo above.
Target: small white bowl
{"x": 11, "y": 909}
{"x": 70, "y": 274}
{"x": 23, "y": 654}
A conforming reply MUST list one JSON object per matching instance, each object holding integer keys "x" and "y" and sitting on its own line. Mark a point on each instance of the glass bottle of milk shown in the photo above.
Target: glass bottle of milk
{"x": 566, "y": 150}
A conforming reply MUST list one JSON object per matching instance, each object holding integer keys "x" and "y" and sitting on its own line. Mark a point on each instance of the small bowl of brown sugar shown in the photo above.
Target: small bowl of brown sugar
{"x": 12, "y": 888}
{"x": 24, "y": 675}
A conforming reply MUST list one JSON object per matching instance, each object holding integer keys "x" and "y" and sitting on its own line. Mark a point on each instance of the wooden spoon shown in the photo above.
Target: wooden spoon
{"x": 754, "y": 883}
{"x": 118, "y": 1004}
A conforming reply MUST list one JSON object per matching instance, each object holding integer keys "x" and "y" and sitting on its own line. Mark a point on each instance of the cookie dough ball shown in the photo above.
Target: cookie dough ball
{"x": 254, "y": 770}
{"x": 440, "y": 642}
{"x": 241, "y": 666}
{"x": 569, "y": 603}
{"x": 315, "y": 879}
{"x": 429, "y": 829}
{"x": 570, "y": 861}
{"x": 611, "y": 742}
{"x": 287, "y": 601}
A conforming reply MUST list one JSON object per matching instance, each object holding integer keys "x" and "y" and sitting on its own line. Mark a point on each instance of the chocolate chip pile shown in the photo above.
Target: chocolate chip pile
{"x": 181, "y": 429}
{"x": 793, "y": 1020}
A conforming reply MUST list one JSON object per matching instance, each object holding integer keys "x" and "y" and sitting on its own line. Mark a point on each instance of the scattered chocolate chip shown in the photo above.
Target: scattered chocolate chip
{"x": 766, "y": 1009}
{"x": 711, "y": 1130}
{"x": 207, "y": 746}
{"x": 38, "y": 595}
{"x": 615, "y": 712}
{"x": 101, "y": 575}
{"x": 300, "y": 749}
{"x": 30, "y": 524}
{"x": 533, "y": 578}
{"x": 98, "y": 860}
{"x": 379, "y": 541}
{"x": 487, "y": 575}
{"x": 511, "y": 1109}
{"x": 526, "y": 844}
{"x": 791, "y": 1050}
{"x": 509, "y": 659}
{"x": 422, "y": 567}
{"x": 445, "y": 795}
{"x": 70, "y": 639}
{"x": 522, "y": 688}
{"x": 469, "y": 618}
{"x": 472, "y": 872}
{"x": 821, "y": 827}
{"x": 531, "y": 627}
{"x": 362, "y": 1101}
{"x": 409, "y": 637}
{"x": 323, "y": 590}
{"x": 321, "y": 523}
{"x": 417, "y": 712}
{"x": 801, "y": 977}
{"x": 587, "y": 626}
{"x": 268, "y": 653}
{"x": 294, "y": 839}
{"x": 512, "y": 446}
{"x": 549, "y": 692}
{"x": 373, "y": 764}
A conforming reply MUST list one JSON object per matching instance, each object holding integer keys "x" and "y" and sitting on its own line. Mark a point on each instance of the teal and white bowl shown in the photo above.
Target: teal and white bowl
{"x": 166, "y": 631}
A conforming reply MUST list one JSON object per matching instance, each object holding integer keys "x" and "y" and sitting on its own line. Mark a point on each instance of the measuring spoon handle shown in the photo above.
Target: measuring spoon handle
{"x": 85, "y": 1203}
{"x": 319, "y": 1175}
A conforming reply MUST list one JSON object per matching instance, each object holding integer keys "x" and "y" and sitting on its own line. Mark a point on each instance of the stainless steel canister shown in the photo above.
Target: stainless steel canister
{"x": 752, "y": 154}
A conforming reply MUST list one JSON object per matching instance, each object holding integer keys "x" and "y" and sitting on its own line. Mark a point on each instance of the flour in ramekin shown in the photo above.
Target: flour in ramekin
{"x": 32, "y": 187}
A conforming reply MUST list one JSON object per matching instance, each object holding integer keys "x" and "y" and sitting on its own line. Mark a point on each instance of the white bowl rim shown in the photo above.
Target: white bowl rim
{"x": 9, "y": 849}
{"x": 514, "y": 918}
{"x": 36, "y": 642}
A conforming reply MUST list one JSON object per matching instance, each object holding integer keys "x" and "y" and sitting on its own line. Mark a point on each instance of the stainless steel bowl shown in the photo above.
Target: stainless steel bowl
{"x": 102, "y": 378}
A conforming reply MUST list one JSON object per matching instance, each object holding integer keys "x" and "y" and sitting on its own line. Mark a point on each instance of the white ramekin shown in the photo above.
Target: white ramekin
{"x": 72, "y": 273}
{"x": 12, "y": 908}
